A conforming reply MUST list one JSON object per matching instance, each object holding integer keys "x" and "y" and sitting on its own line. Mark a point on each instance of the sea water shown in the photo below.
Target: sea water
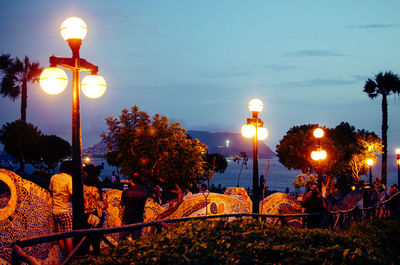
{"x": 278, "y": 177}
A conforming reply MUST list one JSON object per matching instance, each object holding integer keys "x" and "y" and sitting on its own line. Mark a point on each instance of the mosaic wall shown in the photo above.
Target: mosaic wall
{"x": 281, "y": 203}
{"x": 26, "y": 212}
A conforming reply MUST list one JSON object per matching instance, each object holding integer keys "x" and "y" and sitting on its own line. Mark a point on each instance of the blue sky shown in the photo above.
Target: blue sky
{"x": 200, "y": 62}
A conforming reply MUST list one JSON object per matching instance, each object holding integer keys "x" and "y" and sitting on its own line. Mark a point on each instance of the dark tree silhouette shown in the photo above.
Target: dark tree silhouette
{"x": 52, "y": 149}
{"x": 384, "y": 84}
{"x": 19, "y": 139}
{"x": 16, "y": 76}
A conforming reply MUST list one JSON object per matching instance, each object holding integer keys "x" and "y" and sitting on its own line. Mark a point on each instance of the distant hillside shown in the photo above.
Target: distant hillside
{"x": 216, "y": 142}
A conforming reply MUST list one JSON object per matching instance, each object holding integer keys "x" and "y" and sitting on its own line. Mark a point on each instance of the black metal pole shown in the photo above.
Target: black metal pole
{"x": 398, "y": 169}
{"x": 370, "y": 175}
{"x": 256, "y": 197}
{"x": 77, "y": 180}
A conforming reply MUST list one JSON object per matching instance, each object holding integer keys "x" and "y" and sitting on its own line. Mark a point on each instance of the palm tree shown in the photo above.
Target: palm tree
{"x": 384, "y": 84}
{"x": 16, "y": 76}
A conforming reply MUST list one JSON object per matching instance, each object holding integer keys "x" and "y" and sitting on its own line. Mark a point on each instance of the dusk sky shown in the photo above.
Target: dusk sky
{"x": 200, "y": 62}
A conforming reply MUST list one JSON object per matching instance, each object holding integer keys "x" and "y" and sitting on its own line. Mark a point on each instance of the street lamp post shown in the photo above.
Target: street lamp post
{"x": 319, "y": 154}
{"x": 370, "y": 162}
{"x": 53, "y": 80}
{"x": 254, "y": 129}
{"x": 398, "y": 165}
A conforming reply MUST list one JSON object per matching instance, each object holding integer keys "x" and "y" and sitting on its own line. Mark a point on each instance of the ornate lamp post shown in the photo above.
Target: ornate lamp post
{"x": 370, "y": 162}
{"x": 53, "y": 80}
{"x": 254, "y": 129}
{"x": 398, "y": 165}
{"x": 319, "y": 154}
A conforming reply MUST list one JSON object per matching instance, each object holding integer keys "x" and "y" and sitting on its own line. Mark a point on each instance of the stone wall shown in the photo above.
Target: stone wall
{"x": 26, "y": 211}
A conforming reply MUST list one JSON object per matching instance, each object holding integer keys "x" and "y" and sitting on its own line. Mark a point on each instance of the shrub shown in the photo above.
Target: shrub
{"x": 248, "y": 241}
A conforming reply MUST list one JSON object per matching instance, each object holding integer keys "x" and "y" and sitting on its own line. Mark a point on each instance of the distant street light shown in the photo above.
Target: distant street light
{"x": 398, "y": 165}
{"x": 318, "y": 133}
{"x": 370, "y": 162}
{"x": 253, "y": 129}
{"x": 53, "y": 80}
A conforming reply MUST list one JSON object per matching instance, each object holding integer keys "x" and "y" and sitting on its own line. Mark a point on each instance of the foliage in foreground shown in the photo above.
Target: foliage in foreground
{"x": 251, "y": 242}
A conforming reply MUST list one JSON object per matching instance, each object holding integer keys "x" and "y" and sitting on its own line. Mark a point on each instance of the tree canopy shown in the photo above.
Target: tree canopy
{"x": 158, "y": 149}
{"x": 19, "y": 139}
{"x": 347, "y": 150}
{"x": 27, "y": 144}
{"x": 51, "y": 149}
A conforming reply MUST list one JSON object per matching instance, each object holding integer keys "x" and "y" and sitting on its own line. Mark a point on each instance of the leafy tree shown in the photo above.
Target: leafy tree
{"x": 214, "y": 162}
{"x": 114, "y": 158}
{"x": 347, "y": 151}
{"x": 17, "y": 74}
{"x": 51, "y": 150}
{"x": 384, "y": 85}
{"x": 160, "y": 150}
{"x": 296, "y": 146}
{"x": 19, "y": 139}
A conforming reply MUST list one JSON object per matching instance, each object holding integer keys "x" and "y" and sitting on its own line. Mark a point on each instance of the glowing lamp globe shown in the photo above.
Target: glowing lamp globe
{"x": 397, "y": 151}
{"x": 256, "y": 105}
{"x": 248, "y": 130}
{"x": 322, "y": 154}
{"x": 370, "y": 162}
{"x": 53, "y": 80}
{"x": 262, "y": 133}
{"x": 315, "y": 155}
{"x": 318, "y": 133}
{"x": 93, "y": 86}
{"x": 73, "y": 28}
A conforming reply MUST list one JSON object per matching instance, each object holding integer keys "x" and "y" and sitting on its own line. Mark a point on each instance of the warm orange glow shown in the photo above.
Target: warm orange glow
{"x": 262, "y": 133}
{"x": 318, "y": 155}
{"x": 256, "y": 105}
{"x": 53, "y": 80}
{"x": 322, "y": 154}
{"x": 318, "y": 133}
{"x": 315, "y": 155}
{"x": 370, "y": 161}
{"x": 87, "y": 159}
{"x": 398, "y": 162}
{"x": 73, "y": 28}
{"x": 248, "y": 130}
{"x": 94, "y": 86}
{"x": 397, "y": 151}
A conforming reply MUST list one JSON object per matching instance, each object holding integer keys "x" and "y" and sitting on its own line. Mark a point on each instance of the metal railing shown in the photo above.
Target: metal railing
{"x": 331, "y": 220}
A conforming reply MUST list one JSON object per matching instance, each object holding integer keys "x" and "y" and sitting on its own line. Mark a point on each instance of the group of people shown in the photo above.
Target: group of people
{"x": 312, "y": 202}
{"x": 133, "y": 200}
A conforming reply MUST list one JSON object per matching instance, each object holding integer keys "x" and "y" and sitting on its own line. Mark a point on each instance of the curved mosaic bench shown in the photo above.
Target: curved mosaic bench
{"x": 27, "y": 213}
{"x": 281, "y": 203}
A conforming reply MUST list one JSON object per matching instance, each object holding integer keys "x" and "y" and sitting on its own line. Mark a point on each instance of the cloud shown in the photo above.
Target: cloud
{"x": 319, "y": 82}
{"x": 314, "y": 53}
{"x": 373, "y": 26}
{"x": 216, "y": 74}
{"x": 279, "y": 67}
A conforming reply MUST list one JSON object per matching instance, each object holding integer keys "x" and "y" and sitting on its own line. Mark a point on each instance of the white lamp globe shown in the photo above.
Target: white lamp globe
{"x": 248, "y": 130}
{"x": 73, "y": 28}
{"x": 262, "y": 133}
{"x": 322, "y": 154}
{"x": 53, "y": 80}
{"x": 256, "y": 105}
{"x": 318, "y": 133}
{"x": 93, "y": 86}
{"x": 315, "y": 155}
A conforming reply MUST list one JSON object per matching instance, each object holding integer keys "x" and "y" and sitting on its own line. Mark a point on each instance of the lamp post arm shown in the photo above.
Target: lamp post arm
{"x": 70, "y": 64}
